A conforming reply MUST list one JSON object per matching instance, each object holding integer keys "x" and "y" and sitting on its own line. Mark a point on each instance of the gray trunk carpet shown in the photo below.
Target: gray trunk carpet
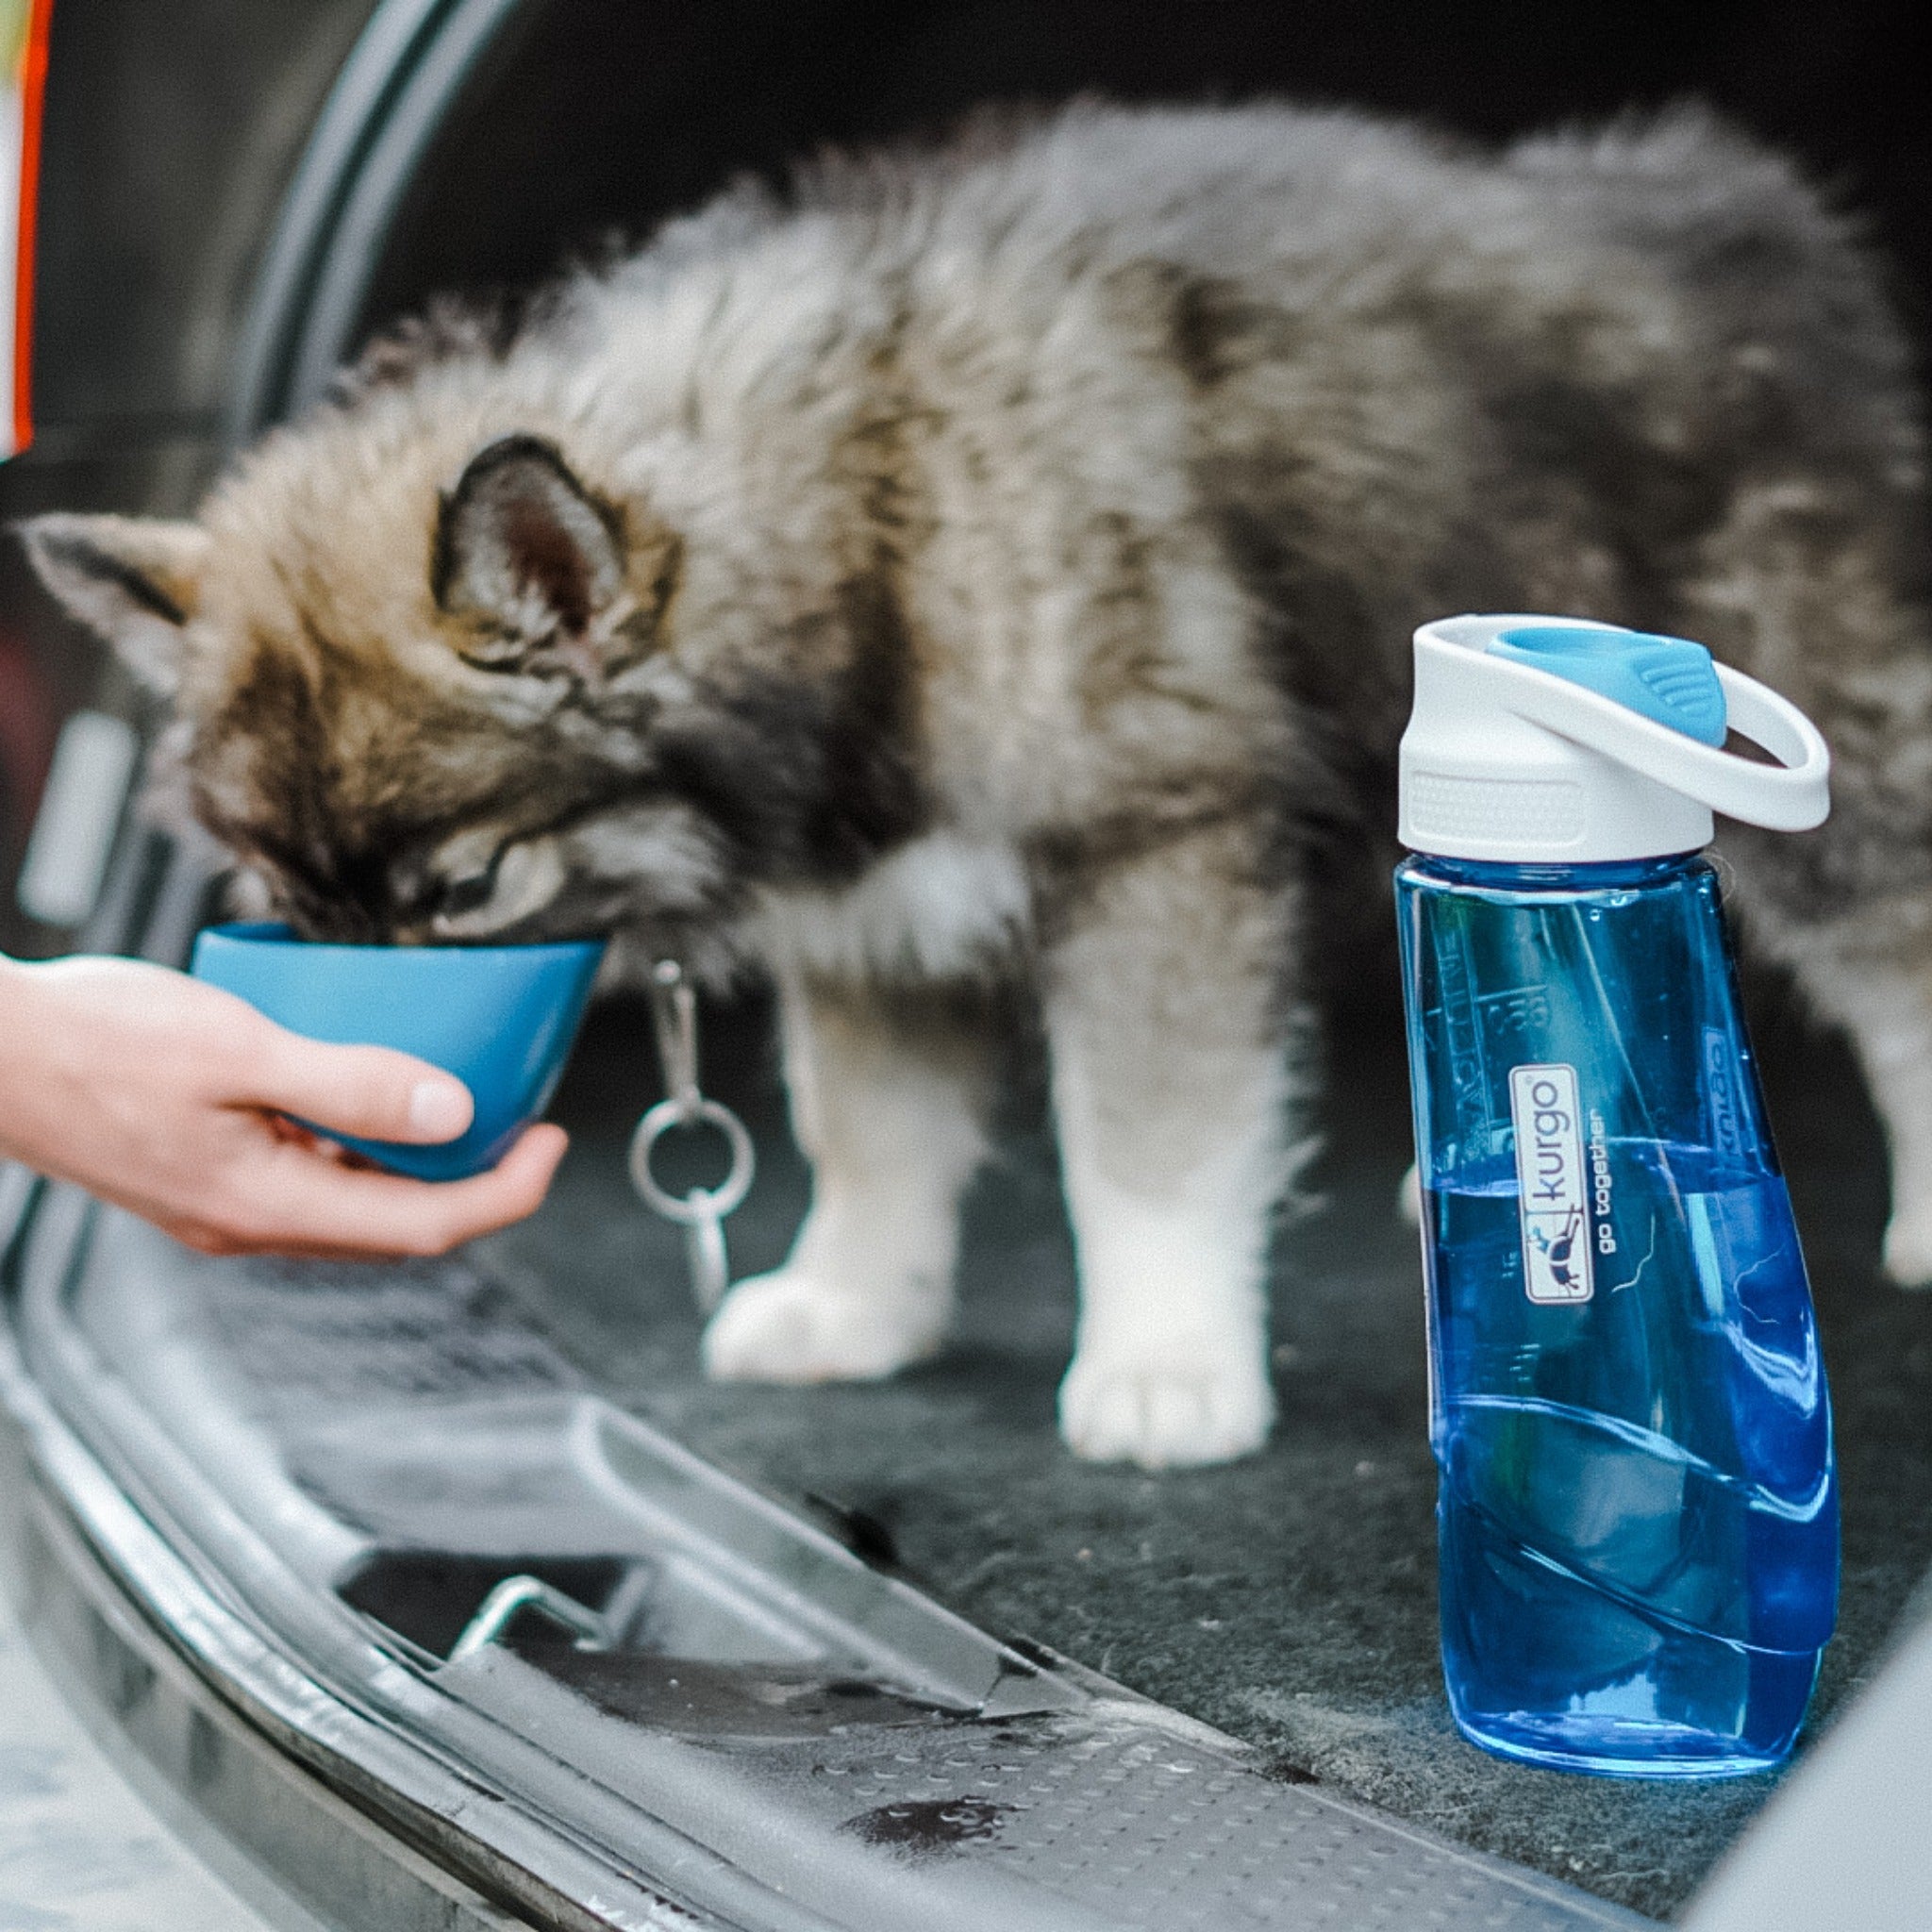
{"x": 1289, "y": 1599}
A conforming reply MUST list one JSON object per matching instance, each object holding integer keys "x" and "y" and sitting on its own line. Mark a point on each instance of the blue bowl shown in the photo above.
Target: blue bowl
{"x": 500, "y": 1018}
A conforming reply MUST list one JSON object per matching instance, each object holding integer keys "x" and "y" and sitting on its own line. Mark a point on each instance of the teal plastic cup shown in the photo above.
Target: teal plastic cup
{"x": 500, "y": 1018}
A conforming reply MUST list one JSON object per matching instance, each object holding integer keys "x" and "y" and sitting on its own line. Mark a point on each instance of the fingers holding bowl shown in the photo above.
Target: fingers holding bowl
{"x": 311, "y": 1204}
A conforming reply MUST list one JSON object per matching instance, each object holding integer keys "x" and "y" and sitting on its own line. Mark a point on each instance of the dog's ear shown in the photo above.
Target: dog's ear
{"x": 532, "y": 564}
{"x": 135, "y": 580}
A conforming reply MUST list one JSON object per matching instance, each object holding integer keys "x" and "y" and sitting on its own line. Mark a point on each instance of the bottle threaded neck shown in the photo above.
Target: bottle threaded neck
{"x": 1502, "y": 874}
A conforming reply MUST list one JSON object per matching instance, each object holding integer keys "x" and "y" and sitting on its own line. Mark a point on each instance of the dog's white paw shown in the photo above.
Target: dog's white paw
{"x": 789, "y": 1326}
{"x": 1164, "y": 1415}
{"x": 1909, "y": 1248}
{"x": 1408, "y": 1197}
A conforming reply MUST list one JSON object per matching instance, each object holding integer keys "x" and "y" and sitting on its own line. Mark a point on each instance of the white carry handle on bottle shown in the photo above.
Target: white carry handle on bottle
{"x": 1503, "y": 760}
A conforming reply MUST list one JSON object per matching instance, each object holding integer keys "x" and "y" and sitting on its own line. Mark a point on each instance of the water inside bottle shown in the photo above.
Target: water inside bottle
{"x": 1638, "y": 1548}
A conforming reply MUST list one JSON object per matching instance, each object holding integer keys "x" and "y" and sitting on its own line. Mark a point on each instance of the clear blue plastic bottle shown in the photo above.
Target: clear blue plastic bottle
{"x": 1638, "y": 1511}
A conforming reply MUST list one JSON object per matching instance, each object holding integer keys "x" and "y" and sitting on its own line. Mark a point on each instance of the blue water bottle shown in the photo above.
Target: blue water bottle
{"x": 1637, "y": 1508}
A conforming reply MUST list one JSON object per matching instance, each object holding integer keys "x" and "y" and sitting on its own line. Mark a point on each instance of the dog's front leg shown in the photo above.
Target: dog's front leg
{"x": 1169, "y": 1085}
{"x": 887, "y": 1090}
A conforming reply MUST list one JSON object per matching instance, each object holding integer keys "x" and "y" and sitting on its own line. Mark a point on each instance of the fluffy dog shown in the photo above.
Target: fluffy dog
{"x": 1001, "y": 558}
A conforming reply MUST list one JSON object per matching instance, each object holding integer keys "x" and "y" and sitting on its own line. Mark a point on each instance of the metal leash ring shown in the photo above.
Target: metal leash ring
{"x": 700, "y": 1204}
{"x": 701, "y": 1211}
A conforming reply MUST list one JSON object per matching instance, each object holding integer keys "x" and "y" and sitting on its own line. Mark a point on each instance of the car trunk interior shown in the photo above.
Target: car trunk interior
{"x": 1288, "y": 1601}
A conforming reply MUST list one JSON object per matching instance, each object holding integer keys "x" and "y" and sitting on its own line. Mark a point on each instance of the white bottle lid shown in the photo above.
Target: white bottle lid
{"x": 1506, "y": 760}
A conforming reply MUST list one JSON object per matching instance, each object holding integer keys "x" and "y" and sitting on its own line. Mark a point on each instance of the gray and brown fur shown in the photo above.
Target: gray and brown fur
{"x": 1003, "y": 559}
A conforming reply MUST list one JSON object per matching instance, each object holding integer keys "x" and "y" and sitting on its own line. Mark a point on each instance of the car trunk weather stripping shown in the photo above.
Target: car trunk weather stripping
{"x": 22, "y": 78}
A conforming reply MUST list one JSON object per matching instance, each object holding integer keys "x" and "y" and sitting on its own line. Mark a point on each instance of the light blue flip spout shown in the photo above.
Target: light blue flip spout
{"x": 1638, "y": 1509}
{"x": 1669, "y": 680}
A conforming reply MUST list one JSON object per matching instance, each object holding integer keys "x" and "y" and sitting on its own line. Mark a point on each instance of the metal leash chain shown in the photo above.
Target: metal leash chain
{"x": 701, "y": 1211}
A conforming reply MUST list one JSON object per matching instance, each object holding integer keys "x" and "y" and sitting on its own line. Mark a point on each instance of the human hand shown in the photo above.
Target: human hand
{"x": 170, "y": 1098}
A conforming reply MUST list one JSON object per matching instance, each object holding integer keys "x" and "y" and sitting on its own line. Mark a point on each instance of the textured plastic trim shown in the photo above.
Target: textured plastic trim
{"x": 1087, "y": 1809}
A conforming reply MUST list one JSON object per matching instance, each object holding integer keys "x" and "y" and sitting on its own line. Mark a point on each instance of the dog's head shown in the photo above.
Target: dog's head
{"x": 431, "y": 683}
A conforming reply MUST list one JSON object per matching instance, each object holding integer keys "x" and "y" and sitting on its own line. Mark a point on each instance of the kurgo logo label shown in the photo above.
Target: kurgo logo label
{"x": 1553, "y": 1184}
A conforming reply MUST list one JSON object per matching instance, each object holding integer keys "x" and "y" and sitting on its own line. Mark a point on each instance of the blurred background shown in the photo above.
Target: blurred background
{"x": 229, "y": 201}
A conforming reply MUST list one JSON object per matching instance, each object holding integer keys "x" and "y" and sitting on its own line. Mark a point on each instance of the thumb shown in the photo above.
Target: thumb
{"x": 370, "y": 1092}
